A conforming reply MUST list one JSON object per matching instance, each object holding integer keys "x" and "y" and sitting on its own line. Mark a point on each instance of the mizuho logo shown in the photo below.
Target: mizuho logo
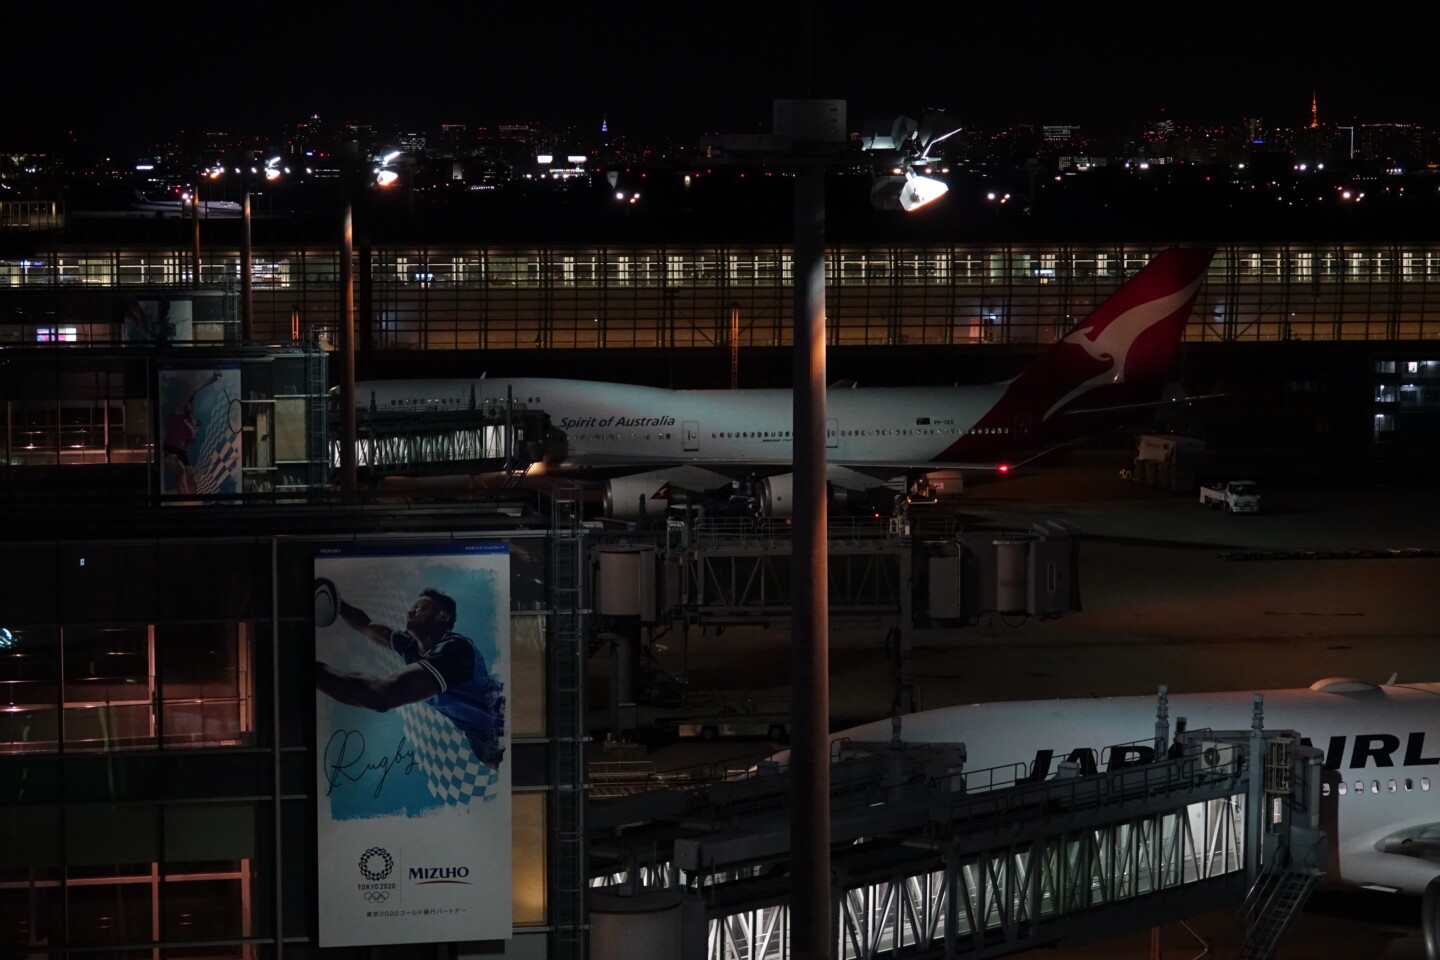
{"x": 376, "y": 863}
{"x": 440, "y": 874}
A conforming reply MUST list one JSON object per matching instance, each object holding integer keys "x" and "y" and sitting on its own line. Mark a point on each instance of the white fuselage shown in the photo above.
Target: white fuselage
{"x": 1382, "y": 744}
{"x": 614, "y": 423}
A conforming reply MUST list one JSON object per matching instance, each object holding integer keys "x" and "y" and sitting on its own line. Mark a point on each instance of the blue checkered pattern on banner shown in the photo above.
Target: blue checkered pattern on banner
{"x": 452, "y": 772}
{"x": 451, "y": 769}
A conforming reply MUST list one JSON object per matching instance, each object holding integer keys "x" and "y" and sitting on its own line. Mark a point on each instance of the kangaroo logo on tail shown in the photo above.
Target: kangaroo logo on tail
{"x": 1111, "y": 339}
{"x": 1132, "y": 336}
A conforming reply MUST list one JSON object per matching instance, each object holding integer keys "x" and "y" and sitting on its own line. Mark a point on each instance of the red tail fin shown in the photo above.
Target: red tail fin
{"x": 1129, "y": 340}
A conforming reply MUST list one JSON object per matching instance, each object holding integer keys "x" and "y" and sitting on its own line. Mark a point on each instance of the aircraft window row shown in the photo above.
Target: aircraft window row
{"x": 925, "y": 432}
{"x": 1390, "y": 786}
{"x": 750, "y": 434}
{"x": 785, "y": 434}
{"x": 616, "y": 436}
{"x": 406, "y": 402}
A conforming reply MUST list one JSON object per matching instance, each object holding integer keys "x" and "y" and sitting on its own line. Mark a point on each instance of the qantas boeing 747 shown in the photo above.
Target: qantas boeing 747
{"x": 646, "y": 438}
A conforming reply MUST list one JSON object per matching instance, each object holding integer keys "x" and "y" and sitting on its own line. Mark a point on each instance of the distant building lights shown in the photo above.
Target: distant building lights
{"x": 144, "y": 166}
{"x": 577, "y": 158}
{"x": 544, "y": 158}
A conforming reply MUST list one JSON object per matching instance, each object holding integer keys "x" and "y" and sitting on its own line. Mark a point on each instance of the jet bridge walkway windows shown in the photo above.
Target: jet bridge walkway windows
{"x": 930, "y": 861}
{"x": 489, "y": 437}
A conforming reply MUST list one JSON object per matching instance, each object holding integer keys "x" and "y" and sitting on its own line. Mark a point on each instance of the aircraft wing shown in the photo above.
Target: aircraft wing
{"x": 1147, "y": 405}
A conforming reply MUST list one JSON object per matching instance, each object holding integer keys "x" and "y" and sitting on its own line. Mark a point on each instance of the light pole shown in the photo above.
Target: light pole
{"x": 247, "y": 259}
{"x": 346, "y": 345}
{"x": 814, "y": 129}
{"x": 382, "y": 176}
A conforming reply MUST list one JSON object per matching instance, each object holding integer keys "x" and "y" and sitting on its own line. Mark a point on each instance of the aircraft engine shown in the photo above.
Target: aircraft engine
{"x": 624, "y": 496}
{"x": 656, "y": 489}
{"x": 777, "y": 498}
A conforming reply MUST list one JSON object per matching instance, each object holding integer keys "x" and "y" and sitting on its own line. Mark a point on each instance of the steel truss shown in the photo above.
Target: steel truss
{"x": 996, "y": 900}
{"x": 747, "y": 582}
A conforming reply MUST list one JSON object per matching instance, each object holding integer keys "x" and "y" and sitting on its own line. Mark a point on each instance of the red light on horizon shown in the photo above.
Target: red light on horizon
{"x": 1004, "y": 468}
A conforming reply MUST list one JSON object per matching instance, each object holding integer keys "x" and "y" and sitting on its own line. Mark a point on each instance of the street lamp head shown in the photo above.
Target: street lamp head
{"x": 907, "y": 191}
{"x": 919, "y": 191}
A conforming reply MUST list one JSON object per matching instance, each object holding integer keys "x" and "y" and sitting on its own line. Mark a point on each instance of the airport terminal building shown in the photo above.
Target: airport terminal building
{"x": 163, "y": 602}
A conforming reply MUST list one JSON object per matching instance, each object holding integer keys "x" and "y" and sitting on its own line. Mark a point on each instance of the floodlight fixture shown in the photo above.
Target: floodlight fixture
{"x": 384, "y": 178}
{"x": 390, "y": 158}
{"x": 908, "y": 191}
{"x": 919, "y": 191}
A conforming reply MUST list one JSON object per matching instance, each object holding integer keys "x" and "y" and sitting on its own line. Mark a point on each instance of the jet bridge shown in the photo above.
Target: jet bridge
{"x": 501, "y": 436}
{"x": 930, "y": 860}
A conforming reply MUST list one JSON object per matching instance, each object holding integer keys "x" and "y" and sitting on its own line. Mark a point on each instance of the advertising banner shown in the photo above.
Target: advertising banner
{"x": 201, "y": 423}
{"x": 413, "y": 782}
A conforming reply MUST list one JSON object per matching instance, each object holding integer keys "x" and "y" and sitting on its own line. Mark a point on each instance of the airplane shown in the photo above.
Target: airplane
{"x": 651, "y": 441}
{"x": 182, "y": 208}
{"x": 1380, "y": 786}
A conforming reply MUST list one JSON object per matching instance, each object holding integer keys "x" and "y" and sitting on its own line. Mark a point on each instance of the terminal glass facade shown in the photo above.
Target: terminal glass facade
{"x": 447, "y": 297}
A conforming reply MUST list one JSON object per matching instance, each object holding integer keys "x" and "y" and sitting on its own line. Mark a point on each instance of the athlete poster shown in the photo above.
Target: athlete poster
{"x": 412, "y": 673}
{"x": 201, "y": 419}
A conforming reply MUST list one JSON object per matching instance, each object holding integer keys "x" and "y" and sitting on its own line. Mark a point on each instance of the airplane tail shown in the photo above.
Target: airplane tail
{"x": 1123, "y": 351}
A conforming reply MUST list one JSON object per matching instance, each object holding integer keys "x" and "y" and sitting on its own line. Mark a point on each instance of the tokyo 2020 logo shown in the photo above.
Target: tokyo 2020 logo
{"x": 376, "y": 863}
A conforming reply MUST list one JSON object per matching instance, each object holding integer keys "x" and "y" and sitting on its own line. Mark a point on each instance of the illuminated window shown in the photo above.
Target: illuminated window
{"x": 113, "y": 688}
{"x": 57, "y": 334}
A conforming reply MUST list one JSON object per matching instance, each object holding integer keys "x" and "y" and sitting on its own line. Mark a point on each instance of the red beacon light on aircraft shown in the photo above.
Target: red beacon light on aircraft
{"x": 1004, "y": 468}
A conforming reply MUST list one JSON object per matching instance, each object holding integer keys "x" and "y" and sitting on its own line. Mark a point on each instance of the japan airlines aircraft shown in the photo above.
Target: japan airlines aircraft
{"x": 648, "y": 439}
{"x": 1380, "y": 788}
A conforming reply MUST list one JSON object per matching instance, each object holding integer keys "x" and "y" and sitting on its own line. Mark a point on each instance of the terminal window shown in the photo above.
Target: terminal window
{"x": 126, "y": 687}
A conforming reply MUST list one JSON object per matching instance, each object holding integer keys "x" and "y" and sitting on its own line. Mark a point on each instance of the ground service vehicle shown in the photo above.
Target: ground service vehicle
{"x": 1237, "y": 496}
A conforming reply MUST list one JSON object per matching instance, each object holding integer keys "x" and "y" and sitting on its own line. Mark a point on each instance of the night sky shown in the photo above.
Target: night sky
{"x": 146, "y": 69}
